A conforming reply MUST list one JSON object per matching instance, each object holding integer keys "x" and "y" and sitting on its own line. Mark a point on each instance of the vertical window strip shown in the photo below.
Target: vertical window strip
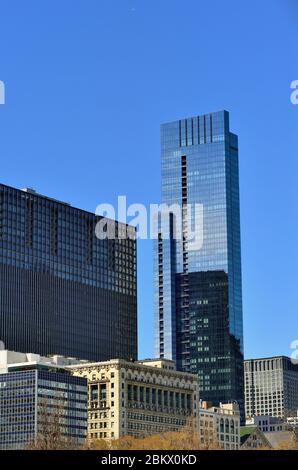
{"x": 180, "y": 135}
{"x": 184, "y": 208}
{"x": 211, "y": 128}
{"x": 54, "y": 231}
{"x": 89, "y": 241}
{"x": 1, "y": 213}
{"x": 29, "y": 221}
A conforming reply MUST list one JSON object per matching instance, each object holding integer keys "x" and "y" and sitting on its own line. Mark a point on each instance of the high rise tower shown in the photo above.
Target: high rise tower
{"x": 62, "y": 289}
{"x": 198, "y": 293}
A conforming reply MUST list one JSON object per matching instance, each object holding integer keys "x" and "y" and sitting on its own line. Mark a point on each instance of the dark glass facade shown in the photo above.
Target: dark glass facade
{"x": 63, "y": 290}
{"x": 27, "y": 395}
{"x": 198, "y": 292}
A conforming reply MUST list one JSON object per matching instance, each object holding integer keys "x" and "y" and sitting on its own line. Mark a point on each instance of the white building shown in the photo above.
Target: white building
{"x": 267, "y": 423}
{"x": 219, "y": 426}
{"x": 292, "y": 421}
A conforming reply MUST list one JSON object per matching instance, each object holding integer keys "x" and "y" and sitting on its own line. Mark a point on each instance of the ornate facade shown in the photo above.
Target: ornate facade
{"x": 138, "y": 398}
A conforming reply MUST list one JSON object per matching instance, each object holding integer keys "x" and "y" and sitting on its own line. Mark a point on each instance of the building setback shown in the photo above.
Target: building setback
{"x": 198, "y": 292}
{"x": 39, "y": 399}
{"x": 138, "y": 398}
{"x": 62, "y": 290}
{"x": 271, "y": 387}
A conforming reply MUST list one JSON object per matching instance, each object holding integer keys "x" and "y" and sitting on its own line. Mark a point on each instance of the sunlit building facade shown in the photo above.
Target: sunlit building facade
{"x": 271, "y": 387}
{"x": 198, "y": 292}
{"x": 138, "y": 398}
{"x": 219, "y": 426}
{"x": 63, "y": 290}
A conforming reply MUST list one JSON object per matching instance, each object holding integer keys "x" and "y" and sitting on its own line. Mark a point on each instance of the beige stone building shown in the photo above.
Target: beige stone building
{"x": 219, "y": 425}
{"x": 138, "y": 398}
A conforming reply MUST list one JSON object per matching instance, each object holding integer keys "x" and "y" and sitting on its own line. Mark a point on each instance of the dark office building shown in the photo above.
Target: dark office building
{"x": 198, "y": 293}
{"x": 62, "y": 289}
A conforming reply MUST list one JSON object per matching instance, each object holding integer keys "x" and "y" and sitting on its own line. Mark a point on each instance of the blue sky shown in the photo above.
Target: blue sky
{"x": 88, "y": 83}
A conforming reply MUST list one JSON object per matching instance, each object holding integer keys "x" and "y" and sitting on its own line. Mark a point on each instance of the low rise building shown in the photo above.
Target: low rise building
{"x": 267, "y": 423}
{"x": 219, "y": 426}
{"x": 36, "y": 394}
{"x": 138, "y": 398}
{"x": 253, "y": 438}
{"x": 282, "y": 440}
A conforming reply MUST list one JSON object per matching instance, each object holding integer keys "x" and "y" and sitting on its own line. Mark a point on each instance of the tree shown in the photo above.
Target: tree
{"x": 51, "y": 428}
{"x": 185, "y": 439}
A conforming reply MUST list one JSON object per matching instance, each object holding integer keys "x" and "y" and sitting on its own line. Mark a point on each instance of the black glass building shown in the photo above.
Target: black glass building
{"x": 198, "y": 293}
{"x": 63, "y": 290}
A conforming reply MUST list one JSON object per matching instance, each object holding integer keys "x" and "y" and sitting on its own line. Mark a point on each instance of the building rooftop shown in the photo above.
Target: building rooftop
{"x": 164, "y": 365}
{"x": 34, "y": 193}
{"x": 267, "y": 358}
{"x": 280, "y": 439}
{"x": 246, "y": 431}
{"x": 160, "y": 363}
{"x": 12, "y": 360}
{"x": 222, "y": 408}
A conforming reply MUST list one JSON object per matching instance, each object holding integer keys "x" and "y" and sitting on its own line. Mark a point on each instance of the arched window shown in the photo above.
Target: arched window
{"x": 227, "y": 426}
{"x": 221, "y": 425}
{"x": 232, "y": 427}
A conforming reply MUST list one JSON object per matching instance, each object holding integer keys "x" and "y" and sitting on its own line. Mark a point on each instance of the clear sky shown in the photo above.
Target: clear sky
{"x": 88, "y": 83}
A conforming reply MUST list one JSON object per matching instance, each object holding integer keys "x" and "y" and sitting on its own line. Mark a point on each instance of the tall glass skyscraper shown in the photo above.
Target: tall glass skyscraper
{"x": 198, "y": 293}
{"x": 63, "y": 290}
